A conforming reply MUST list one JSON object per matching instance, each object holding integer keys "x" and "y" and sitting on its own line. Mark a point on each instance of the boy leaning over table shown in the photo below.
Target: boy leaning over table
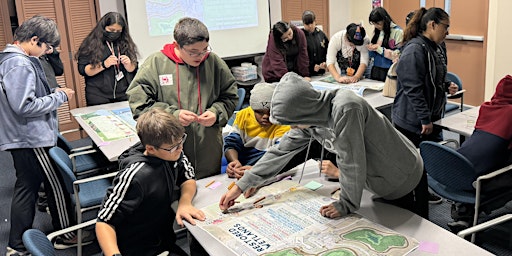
{"x": 370, "y": 153}
{"x": 136, "y": 216}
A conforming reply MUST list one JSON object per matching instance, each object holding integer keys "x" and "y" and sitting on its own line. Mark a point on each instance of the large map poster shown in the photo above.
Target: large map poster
{"x": 111, "y": 125}
{"x": 283, "y": 219}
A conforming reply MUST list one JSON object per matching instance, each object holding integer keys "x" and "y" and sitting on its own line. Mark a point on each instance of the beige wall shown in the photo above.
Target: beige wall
{"x": 499, "y": 53}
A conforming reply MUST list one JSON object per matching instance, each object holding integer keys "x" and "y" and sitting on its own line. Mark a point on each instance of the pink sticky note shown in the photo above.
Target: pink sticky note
{"x": 215, "y": 185}
{"x": 431, "y": 247}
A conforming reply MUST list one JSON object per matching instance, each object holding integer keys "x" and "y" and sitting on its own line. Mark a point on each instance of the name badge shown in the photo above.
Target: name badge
{"x": 165, "y": 80}
{"x": 119, "y": 76}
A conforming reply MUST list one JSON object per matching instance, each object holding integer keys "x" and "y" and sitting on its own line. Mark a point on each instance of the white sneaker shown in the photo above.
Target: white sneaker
{"x": 12, "y": 252}
{"x": 62, "y": 243}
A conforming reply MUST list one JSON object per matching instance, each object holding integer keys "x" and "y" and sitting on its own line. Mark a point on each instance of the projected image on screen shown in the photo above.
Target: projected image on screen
{"x": 216, "y": 14}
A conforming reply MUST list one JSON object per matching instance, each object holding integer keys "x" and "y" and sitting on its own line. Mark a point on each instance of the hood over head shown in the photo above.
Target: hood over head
{"x": 296, "y": 102}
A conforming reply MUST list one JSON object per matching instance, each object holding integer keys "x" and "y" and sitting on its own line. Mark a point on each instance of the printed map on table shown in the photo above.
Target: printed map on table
{"x": 328, "y": 83}
{"x": 111, "y": 125}
{"x": 288, "y": 222}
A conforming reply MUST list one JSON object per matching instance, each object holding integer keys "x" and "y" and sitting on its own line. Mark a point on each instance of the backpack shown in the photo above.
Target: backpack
{"x": 391, "y": 81}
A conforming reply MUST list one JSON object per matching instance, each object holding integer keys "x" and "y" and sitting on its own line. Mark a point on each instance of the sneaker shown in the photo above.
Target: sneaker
{"x": 62, "y": 243}
{"x": 42, "y": 203}
{"x": 434, "y": 199}
{"x": 458, "y": 226}
{"x": 12, "y": 252}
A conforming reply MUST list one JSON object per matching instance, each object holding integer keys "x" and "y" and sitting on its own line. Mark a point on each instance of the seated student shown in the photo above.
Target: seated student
{"x": 370, "y": 152}
{"x": 347, "y": 49}
{"x": 136, "y": 217}
{"x": 287, "y": 51}
{"x": 252, "y": 132}
{"x": 489, "y": 148}
{"x": 317, "y": 44}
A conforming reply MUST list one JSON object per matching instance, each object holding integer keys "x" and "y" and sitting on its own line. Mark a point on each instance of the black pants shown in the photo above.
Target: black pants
{"x": 416, "y": 139}
{"x": 415, "y": 201}
{"x": 379, "y": 73}
{"x": 33, "y": 166}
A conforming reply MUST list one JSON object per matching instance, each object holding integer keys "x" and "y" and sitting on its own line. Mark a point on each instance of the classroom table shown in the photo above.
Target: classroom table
{"x": 111, "y": 149}
{"x": 434, "y": 240}
{"x": 462, "y": 123}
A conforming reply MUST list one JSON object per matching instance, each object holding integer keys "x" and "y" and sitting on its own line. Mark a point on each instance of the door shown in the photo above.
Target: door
{"x": 466, "y": 57}
{"x": 293, "y": 9}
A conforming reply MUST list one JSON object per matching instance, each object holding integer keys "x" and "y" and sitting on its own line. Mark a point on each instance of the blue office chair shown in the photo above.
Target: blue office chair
{"x": 85, "y": 160}
{"x": 39, "y": 244}
{"x": 87, "y": 193}
{"x": 459, "y": 95}
{"x": 453, "y": 177}
{"x": 241, "y": 98}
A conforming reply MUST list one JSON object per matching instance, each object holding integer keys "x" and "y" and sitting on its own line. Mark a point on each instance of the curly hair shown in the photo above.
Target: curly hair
{"x": 95, "y": 40}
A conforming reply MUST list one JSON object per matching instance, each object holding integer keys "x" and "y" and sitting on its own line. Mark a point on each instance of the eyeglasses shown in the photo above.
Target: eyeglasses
{"x": 198, "y": 54}
{"x": 48, "y": 46}
{"x": 447, "y": 26}
{"x": 176, "y": 146}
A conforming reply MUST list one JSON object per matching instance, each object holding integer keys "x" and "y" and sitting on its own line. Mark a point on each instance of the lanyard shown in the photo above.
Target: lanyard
{"x": 111, "y": 47}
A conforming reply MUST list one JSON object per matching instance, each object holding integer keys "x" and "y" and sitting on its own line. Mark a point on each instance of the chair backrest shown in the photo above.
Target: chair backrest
{"x": 63, "y": 143}
{"x": 241, "y": 97}
{"x": 37, "y": 243}
{"x": 64, "y": 165}
{"x": 454, "y": 78}
{"x": 447, "y": 166}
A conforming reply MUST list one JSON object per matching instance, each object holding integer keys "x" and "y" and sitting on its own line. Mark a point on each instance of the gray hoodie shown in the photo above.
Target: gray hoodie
{"x": 371, "y": 153}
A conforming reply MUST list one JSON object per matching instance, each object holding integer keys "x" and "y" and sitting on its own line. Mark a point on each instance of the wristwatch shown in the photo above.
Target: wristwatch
{"x": 117, "y": 254}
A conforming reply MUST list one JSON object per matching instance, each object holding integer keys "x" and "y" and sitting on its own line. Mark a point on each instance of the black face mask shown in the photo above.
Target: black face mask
{"x": 111, "y": 36}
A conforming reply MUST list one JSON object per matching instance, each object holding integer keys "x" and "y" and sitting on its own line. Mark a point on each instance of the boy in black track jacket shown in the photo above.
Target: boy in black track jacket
{"x": 136, "y": 216}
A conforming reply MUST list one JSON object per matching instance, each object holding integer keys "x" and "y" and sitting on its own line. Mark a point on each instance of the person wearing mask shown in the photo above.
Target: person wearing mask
{"x": 287, "y": 51}
{"x": 369, "y": 151}
{"x": 347, "y": 54}
{"x": 317, "y": 44}
{"x": 385, "y": 44}
{"x": 107, "y": 58}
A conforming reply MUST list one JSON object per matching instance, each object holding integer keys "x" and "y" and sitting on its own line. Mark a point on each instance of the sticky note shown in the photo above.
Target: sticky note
{"x": 430, "y": 247}
{"x": 313, "y": 185}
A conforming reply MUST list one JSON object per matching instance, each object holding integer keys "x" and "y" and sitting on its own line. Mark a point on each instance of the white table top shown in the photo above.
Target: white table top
{"x": 397, "y": 219}
{"x": 462, "y": 123}
{"x": 111, "y": 149}
{"x": 374, "y": 97}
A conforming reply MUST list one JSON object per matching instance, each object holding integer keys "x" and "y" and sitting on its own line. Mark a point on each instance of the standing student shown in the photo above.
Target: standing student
{"x": 370, "y": 152}
{"x": 421, "y": 71}
{"x": 347, "y": 54}
{"x": 107, "y": 58}
{"x": 385, "y": 44}
{"x": 136, "y": 217}
{"x": 317, "y": 43}
{"x": 252, "y": 132}
{"x": 28, "y": 113}
{"x": 194, "y": 84}
{"x": 287, "y": 51}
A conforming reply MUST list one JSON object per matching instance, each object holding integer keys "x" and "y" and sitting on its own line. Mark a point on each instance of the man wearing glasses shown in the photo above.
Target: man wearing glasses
{"x": 195, "y": 85}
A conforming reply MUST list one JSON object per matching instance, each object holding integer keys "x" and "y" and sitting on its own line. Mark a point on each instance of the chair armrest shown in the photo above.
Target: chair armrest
{"x": 54, "y": 234}
{"x": 79, "y": 149}
{"x": 456, "y": 95}
{"x": 97, "y": 177}
{"x": 491, "y": 175}
{"x": 70, "y": 131}
{"x": 456, "y": 142}
{"x": 484, "y": 225}
{"x": 71, "y": 156}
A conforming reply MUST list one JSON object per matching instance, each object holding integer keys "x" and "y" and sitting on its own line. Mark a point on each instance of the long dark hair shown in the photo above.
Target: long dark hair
{"x": 418, "y": 23}
{"x": 380, "y": 14}
{"x": 94, "y": 42}
{"x": 278, "y": 30}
